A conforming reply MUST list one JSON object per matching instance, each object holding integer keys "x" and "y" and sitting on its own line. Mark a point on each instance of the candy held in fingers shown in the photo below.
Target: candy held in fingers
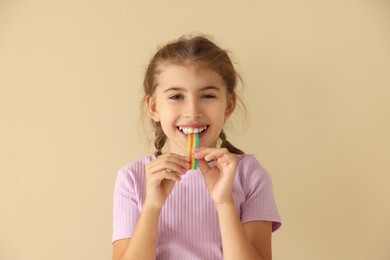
{"x": 192, "y": 144}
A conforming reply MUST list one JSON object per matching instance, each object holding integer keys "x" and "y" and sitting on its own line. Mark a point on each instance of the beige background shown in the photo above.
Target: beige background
{"x": 317, "y": 87}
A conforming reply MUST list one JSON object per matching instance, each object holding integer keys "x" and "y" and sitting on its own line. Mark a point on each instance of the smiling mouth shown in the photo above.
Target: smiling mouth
{"x": 192, "y": 130}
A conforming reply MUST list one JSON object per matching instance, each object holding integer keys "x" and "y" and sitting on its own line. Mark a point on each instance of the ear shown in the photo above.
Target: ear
{"x": 150, "y": 103}
{"x": 231, "y": 105}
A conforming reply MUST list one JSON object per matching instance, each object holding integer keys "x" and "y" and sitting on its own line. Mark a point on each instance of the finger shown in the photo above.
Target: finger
{"x": 158, "y": 177}
{"x": 227, "y": 158}
{"x": 173, "y": 166}
{"x": 173, "y": 163}
{"x": 173, "y": 156}
{"x": 203, "y": 166}
{"x": 211, "y": 153}
{"x": 201, "y": 152}
{"x": 168, "y": 165}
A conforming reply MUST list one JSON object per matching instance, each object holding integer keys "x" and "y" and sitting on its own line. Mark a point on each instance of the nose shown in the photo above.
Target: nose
{"x": 192, "y": 109}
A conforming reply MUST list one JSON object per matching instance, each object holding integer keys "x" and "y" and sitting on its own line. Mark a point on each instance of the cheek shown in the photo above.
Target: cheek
{"x": 167, "y": 117}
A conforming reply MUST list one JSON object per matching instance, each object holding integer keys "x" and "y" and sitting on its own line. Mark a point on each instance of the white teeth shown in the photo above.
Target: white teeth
{"x": 190, "y": 130}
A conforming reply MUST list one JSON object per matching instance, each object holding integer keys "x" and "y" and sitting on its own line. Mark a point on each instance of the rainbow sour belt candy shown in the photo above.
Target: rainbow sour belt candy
{"x": 192, "y": 144}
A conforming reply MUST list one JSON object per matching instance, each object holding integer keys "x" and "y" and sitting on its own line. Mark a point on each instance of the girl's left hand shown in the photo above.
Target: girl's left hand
{"x": 219, "y": 179}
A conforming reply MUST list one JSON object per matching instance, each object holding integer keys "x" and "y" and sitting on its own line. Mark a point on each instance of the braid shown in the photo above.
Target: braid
{"x": 226, "y": 144}
{"x": 160, "y": 138}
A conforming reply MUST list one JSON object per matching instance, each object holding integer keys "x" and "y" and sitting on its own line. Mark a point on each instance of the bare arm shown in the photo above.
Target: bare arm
{"x": 251, "y": 240}
{"x": 142, "y": 244}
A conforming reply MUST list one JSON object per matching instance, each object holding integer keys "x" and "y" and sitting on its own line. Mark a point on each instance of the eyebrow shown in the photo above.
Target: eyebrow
{"x": 181, "y": 89}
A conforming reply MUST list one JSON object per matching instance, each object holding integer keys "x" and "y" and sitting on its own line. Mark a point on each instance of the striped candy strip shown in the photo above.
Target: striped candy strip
{"x": 192, "y": 144}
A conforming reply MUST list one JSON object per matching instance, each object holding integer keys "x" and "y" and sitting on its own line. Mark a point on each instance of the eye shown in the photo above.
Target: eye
{"x": 208, "y": 96}
{"x": 176, "y": 97}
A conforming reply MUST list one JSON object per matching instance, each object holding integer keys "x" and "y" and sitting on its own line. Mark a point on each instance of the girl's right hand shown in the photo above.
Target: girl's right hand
{"x": 161, "y": 176}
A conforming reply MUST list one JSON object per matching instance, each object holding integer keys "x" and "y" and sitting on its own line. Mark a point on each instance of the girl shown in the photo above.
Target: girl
{"x": 163, "y": 210}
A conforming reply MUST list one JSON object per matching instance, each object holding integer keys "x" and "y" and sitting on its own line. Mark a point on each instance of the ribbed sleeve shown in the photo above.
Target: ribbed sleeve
{"x": 126, "y": 205}
{"x": 259, "y": 202}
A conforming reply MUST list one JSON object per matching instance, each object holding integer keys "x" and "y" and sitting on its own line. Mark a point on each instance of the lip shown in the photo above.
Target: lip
{"x": 193, "y": 126}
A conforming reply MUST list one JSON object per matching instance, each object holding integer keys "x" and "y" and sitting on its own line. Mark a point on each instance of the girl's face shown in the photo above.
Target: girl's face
{"x": 188, "y": 98}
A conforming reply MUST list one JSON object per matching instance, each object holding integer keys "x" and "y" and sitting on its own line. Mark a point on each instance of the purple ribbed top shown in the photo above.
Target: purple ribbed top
{"x": 188, "y": 225}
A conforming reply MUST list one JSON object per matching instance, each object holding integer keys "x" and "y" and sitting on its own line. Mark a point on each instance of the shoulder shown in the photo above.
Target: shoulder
{"x": 249, "y": 162}
{"x": 135, "y": 170}
{"x": 249, "y": 168}
{"x": 136, "y": 166}
{"x": 242, "y": 158}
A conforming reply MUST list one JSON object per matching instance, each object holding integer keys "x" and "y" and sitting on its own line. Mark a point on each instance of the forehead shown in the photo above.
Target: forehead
{"x": 188, "y": 76}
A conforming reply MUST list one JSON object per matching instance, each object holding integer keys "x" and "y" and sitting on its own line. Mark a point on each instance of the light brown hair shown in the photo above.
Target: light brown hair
{"x": 199, "y": 51}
